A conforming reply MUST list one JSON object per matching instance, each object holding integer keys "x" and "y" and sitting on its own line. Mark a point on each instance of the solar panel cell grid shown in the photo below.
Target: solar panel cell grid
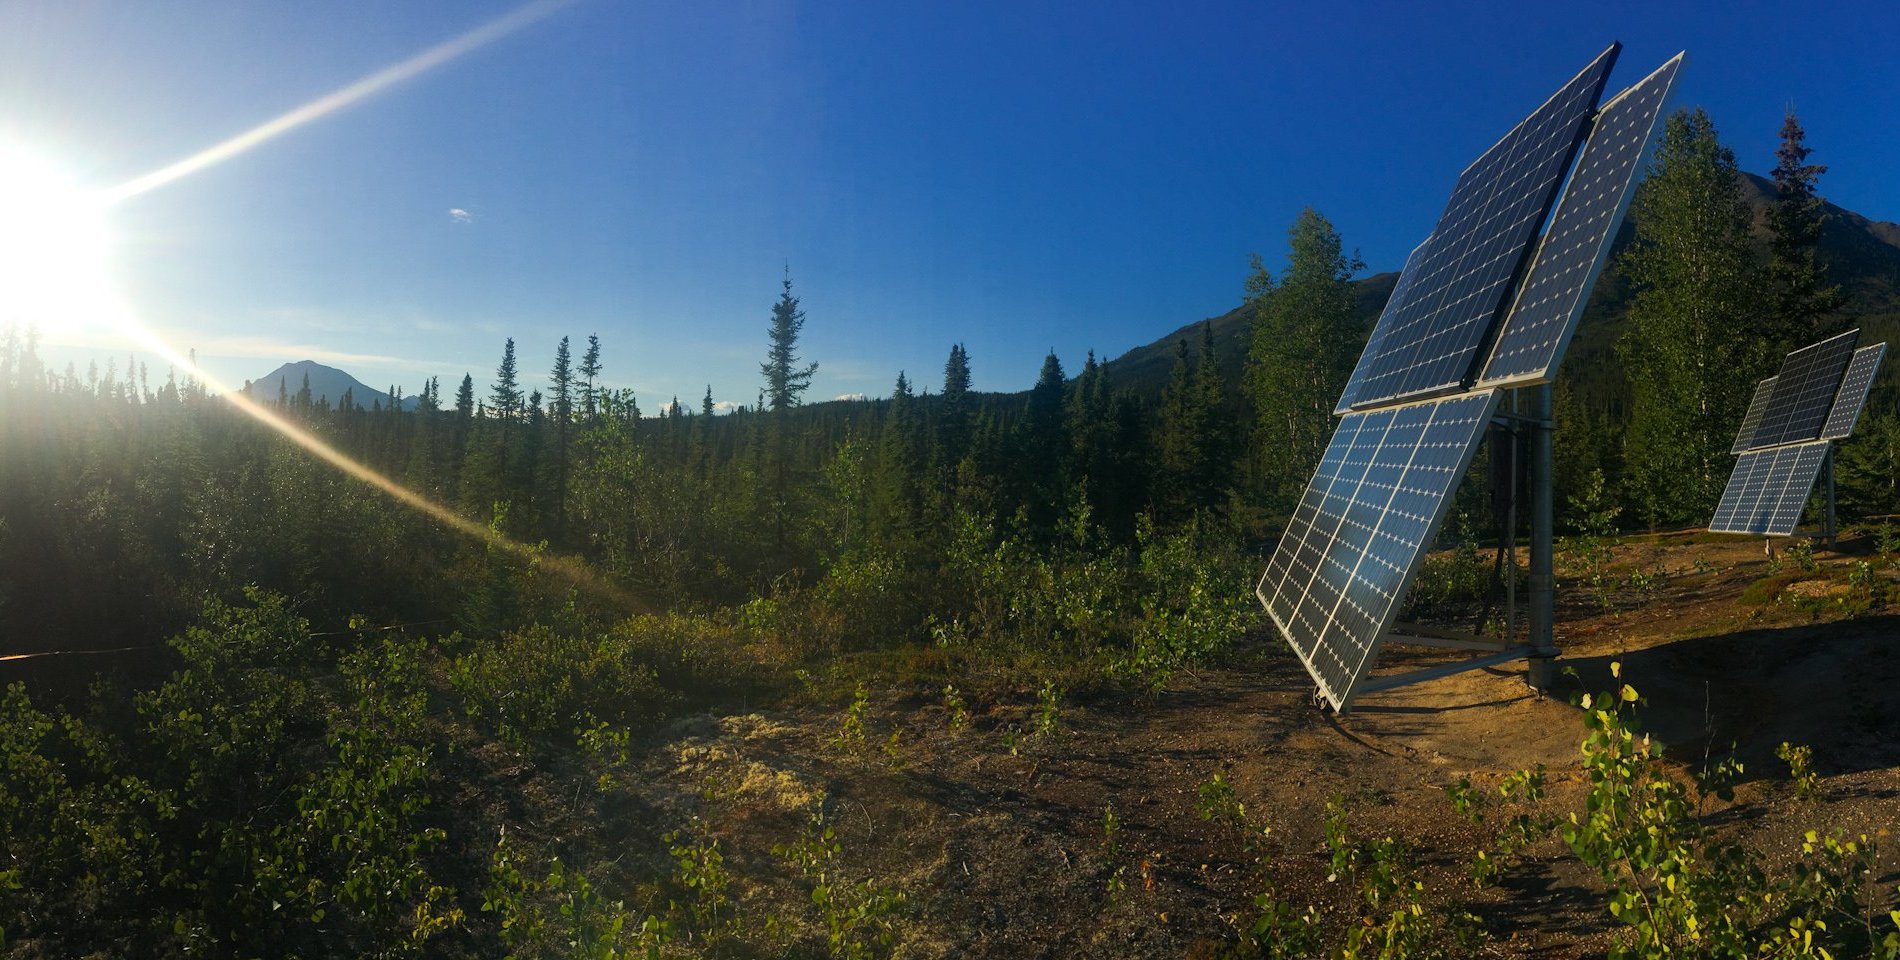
{"x": 1804, "y": 391}
{"x": 1745, "y": 484}
{"x": 1745, "y": 437}
{"x": 1384, "y": 325}
{"x": 1338, "y": 575}
{"x": 1769, "y": 489}
{"x": 1565, "y": 267}
{"x": 1478, "y": 246}
{"x": 1790, "y": 487}
{"x": 1853, "y": 393}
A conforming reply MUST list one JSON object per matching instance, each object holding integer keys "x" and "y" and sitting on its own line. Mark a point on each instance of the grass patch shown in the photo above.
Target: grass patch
{"x": 1768, "y": 589}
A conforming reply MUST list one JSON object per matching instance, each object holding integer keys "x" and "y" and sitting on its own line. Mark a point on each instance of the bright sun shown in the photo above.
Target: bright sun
{"x": 53, "y": 250}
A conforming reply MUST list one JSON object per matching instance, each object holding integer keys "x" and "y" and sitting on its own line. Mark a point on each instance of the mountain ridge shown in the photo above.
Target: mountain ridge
{"x": 328, "y": 386}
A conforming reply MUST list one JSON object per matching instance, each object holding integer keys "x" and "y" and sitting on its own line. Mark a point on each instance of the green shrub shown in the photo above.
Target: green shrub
{"x": 1679, "y": 888}
{"x": 538, "y": 685}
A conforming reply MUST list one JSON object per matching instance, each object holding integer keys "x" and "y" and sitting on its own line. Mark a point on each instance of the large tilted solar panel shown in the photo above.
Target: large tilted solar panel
{"x": 1575, "y": 245}
{"x": 1804, "y": 392}
{"x": 1479, "y": 246}
{"x": 1853, "y": 393}
{"x": 1745, "y": 437}
{"x": 1338, "y": 575}
{"x": 1768, "y": 489}
{"x": 1380, "y": 329}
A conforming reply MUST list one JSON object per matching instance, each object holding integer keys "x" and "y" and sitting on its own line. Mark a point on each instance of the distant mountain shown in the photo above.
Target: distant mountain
{"x": 327, "y": 385}
{"x": 1861, "y": 254}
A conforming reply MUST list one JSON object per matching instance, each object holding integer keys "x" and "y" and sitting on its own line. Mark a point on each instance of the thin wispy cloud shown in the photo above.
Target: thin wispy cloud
{"x": 850, "y": 396}
{"x": 270, "y": 348}
{"x": 459, "y": 215}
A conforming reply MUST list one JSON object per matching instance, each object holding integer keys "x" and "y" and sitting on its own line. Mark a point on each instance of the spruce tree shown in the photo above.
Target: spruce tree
{"x": 785, "y": 380}
{"x": 1799, "y": 295}
{"x": 504, "y": 398}
{"x": 562, "y": 377}
{"x": 1690, "y": 346}
{"x": 900, "y": 460}
{"x": 1180, "y": 440}
{"x": 1042, "y": 448}
{"x": 954, "y": 423}
{"x": 1210, "y": 402}
{"x": 590, "y": 370}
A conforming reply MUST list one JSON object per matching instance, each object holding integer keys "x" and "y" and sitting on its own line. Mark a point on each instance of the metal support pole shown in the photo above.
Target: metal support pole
{"x": 1543, "y": 597}
{"x": 1827, "y": 466}
{"x": 1510, "y": 533}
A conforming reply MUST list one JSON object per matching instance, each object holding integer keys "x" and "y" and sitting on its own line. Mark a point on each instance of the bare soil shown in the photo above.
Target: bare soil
{"x": 1001, "y": 854}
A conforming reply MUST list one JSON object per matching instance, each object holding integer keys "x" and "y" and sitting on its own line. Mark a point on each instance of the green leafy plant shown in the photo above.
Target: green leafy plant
{"x": 859, "y": 919}
{"x": 563, "y": 915}
{"x": 1800, "y": 761}
{"x": 1681, "y": 889}
{"x": 700, "y": 868}
{"x": 956, "y": 714}
{"x": 1112, "y": 852}
{"x": 1048, "y": 717}
{"x": 1802, "y": 553}
{"x": 850, "y": 739}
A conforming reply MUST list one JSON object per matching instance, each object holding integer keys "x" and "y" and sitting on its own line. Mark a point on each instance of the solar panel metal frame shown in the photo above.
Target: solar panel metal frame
{"x": 1313, "y": 546}
{"x": 1805, "y": 390}
{"x": 1550, "y": 301}
{"x": 1769, "y": 489}
{"x": 1397, "y": 373}
{"x": 1745, "y": 437}
{"x": 1852, "y": 396}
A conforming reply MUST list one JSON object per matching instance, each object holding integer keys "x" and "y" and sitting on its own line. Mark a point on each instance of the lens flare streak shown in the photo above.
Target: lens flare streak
{"x": 330, "y": 103}
{"x": 568, "y": 567}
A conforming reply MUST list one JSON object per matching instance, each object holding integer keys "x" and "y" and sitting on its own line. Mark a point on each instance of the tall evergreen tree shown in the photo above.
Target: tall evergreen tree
{"x": 465, "y": 398}
{"x": 1188, "y": 459}
{"x": 1210, "y": 399}
{"x": 504, "y": 398}
{"x": 590, "y": 371}
{"x": 1690, "y": 346}
{"x": 1304, "y": 342}
{"x": 785, "y": 380}
{"x": 1106, "y": 467}
{"x": 901, "y": 464}
{"x": 954, "y": 424}
{"x": 1042, "y": 448}
{"x": 706, "y": 402}
{"x": 1799, "y": 294}
{"x": 562, "y": 381}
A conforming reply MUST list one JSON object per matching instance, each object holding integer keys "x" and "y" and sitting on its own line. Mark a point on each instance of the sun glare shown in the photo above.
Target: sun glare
{"x": 53, "y": 249}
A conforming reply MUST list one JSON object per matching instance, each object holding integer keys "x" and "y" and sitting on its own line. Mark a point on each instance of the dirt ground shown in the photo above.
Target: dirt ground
{"x": 1001, "y": 854}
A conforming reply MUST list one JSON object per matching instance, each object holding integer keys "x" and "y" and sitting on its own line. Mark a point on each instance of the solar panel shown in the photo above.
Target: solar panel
{"x": 1338, "y": 575}
{"x": 1565, "y": 267}
{"x": 1853, "y": 393}
{"x": 1745, "y": 437}
{"x": 1769, "y": 489}
{"x": 1479, "y": 247}
{"x": 1804, "y": 392}
{"x": 1380, "y": 329}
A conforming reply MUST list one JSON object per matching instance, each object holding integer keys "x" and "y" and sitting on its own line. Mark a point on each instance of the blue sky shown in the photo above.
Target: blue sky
{"x": 1017, "y": 177}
